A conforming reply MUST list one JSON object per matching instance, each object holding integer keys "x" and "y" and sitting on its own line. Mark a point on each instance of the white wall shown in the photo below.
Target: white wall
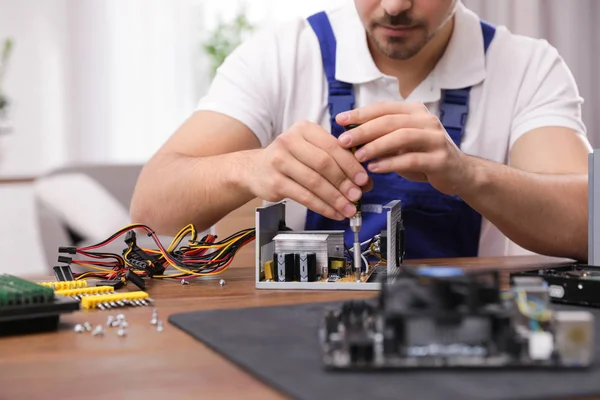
{"x": 109, "y": 80}
{"x": 36, "y": 82}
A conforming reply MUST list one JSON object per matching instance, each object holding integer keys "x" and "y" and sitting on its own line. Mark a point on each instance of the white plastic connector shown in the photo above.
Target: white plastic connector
{"x": 541, "y": 345}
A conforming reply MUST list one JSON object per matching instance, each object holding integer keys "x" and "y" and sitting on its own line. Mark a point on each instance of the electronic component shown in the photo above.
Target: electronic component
{"x": 306, "y": 267}
{"x": 285, "y": 266}
{"x": 333, "y": 256}
{"x": 88, "y": 291}
{"x": 443, "y": 319}
{"x": 63, "y": 272}
{"x": 198, "y": 257}
{"x": 269, "y": 270}
{"x": 114, "y": 283}
{"x": 65, "y": 285}
{"x": 28, "y": 307}
{"x": 576, "y": 284}
{"x": 114, "y": 300}
{"x": 136, "y": 280}
{"x": 337, "y": 266}
{"x": 356, "y": 222}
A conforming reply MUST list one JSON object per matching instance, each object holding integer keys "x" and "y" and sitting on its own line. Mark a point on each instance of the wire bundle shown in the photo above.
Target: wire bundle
{"x": 203, "y": 257}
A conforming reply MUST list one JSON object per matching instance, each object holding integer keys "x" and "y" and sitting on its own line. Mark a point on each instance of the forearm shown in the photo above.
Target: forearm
{"x": 544, "y": 213}
{"x": 174, "y": 190}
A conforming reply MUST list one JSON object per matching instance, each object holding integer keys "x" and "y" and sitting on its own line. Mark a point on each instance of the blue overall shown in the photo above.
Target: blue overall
{"x": 436, "y": 225}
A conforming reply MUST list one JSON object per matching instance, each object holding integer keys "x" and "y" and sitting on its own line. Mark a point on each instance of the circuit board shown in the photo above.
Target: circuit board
{"x": 455, "y": 321}
{"x": 28, "y": 307}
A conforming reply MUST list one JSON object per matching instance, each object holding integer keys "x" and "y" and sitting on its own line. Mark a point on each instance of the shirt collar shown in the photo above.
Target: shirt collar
{"x": 459, "y": 67}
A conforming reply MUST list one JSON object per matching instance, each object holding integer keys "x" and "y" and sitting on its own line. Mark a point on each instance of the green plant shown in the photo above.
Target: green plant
{"x": 225, "y": 38}
{"x": 4, "y": 57}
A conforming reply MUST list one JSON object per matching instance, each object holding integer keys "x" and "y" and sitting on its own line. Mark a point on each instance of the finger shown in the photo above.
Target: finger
{"x": 398, "y": 142}
{"x": 325, "y": 149}
{"x": 319, "y": 187}
{"x": 420, "y": 162}
{"x": 300, "y": 194}
{"x": 368, "y": 187}
{"x": 323, "y": 165}
{"x": 382, "y": 126}
{"x": 372, "y": 111}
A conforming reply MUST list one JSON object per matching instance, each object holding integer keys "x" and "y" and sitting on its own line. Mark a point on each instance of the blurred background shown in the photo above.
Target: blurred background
{"x": 103, "y": 83}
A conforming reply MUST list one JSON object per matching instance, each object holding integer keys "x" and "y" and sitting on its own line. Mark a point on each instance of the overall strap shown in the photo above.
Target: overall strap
{"x": 341, "y": 94}
{"x": 454, "y": 106}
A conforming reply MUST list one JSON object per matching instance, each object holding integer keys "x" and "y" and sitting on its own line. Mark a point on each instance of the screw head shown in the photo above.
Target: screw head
{"x": 222, "y": 282}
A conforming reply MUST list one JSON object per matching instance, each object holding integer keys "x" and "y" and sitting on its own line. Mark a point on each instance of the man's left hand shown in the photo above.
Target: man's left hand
{"x": 406, "y": 138}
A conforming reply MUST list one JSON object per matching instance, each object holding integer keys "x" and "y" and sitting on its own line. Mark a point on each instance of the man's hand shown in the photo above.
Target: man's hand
{"x": 306, "y": 164}
{"x": 405, "y": 138}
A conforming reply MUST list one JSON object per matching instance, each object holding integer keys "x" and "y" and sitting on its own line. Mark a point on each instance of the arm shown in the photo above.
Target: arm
{"x": 213, "y": 165}
{"x": 194, "y": 177}
{"x": 540, "y": 200}
{"x": 233, "y": 150}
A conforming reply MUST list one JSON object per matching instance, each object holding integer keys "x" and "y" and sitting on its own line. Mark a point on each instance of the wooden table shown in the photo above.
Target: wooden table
{"x": 147, "y": 364}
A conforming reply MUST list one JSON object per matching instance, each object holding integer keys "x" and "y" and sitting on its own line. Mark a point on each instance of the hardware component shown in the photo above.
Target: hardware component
{"x": 577, "y": 284}
{"x": 88, "y": 291}
{"x": 269, "y": 273}
{"x": 154, "y": 319}
{"x": 28, "y": 307}
{"x": 159, "y": 326}
{"x": 285, "y": 266}
{"x": 67, "y": 249}
{"x": 79, "y": 328}
{"x": 222, "y": 282}
{"x": 337, "y": 266}
{"x": 121, "y": 332}
{"x": 136, "y": 280}
{"x": 109, "y": 320}
{"x": 574, "y": 337}
{"x": 114, "y": 283}
{"x": 63, "y": 272}
{"x": 306, "y": 267}
{"x": 87, "y": 326}
{"x": 184, "y": 282}
{"x": 273, "y": 240}
{"x": 64, "y": 285}
{"x": 323, "y": 244}
{"x": 115, "y": 300}
{"x": 98, "y": 331}
{"x": 445, "y": 320}
{"x": 124, "y": 324}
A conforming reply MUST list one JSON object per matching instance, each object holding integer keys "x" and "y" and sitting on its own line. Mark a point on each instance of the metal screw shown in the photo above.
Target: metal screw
{"x": 121, "y": 332}
{"x": 184, "y": 282}
{"x": 222, "y": 282}
{"x": 124, "y": 324}
{"x": 98, "y": 331}
{"x": 154, "y": 319}
{"x": 110, "y": 320}
{"x": 121, "y": 317}
{"x": 79, "y": 328}
{"x": 159, "y": 327}
{"x": 87, "y": 326}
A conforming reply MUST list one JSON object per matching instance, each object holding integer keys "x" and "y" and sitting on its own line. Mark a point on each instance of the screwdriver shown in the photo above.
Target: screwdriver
{"x": 356, "y": 221}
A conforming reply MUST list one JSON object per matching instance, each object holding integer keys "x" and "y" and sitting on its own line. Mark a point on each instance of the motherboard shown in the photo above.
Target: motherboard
{"x": 449, "y": 319}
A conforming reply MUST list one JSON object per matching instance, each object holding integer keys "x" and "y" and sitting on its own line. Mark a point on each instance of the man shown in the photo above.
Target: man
{"x": 478, "y": 131}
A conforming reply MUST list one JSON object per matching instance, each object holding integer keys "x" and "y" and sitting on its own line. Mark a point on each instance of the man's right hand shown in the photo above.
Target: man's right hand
{"x": 306, "y": 164}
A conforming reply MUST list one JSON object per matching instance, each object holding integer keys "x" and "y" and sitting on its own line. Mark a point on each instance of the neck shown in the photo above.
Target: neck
{"x": 411, "y": 72}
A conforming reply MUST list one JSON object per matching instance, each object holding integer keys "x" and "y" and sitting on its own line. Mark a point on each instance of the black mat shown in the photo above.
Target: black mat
{"x": 279, "y": 345}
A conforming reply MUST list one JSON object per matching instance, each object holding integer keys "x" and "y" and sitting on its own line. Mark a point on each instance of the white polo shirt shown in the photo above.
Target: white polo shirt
{"x": 276, "y": 79}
